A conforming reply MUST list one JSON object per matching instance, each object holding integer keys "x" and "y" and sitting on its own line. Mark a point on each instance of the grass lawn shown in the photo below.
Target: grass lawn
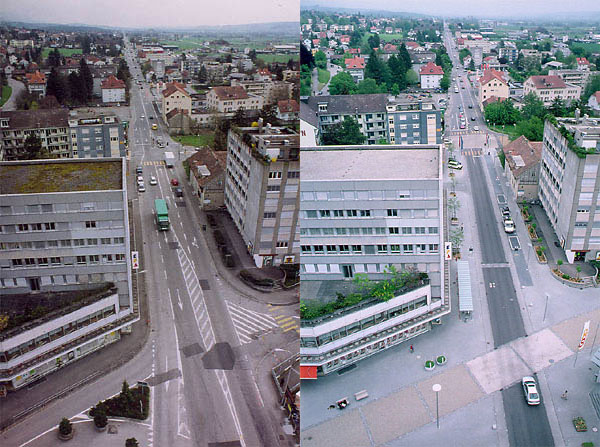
{"x": 508, "y": 130}
{"x": 6, "y": 92}
{"x": 269, "y": 58}
{"x": 323, "y": 77}
{"x": 184, "y": 44}
{"x": 196, "y": 140}
{"x": 388, "y": 37}
{"x": 62, "y": 51}
{"x": 591, "y": 47}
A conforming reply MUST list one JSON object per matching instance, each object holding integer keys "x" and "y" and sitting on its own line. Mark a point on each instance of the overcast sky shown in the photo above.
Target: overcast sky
{"x": 151, "y": 13}
{"x": 468, "y": 7}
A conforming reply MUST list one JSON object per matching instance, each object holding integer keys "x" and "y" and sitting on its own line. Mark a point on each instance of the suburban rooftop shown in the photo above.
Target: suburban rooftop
{"x": 389, "y": 162}
{"x": 67, "y": 175}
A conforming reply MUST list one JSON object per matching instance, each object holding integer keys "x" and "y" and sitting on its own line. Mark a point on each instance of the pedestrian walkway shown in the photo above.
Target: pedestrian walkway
{"x": 285, "y": 322}
{"x": 472, "y": 152}
{"x": 465, "y": 132}
{"x": 250, "y": 325}
{"x": 390, "y": 417}
{"x": 154, "y": 163}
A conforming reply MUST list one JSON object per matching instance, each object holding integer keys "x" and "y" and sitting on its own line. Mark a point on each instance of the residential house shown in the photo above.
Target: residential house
{"x": 174, "y": 96}
{"x": 583, "y": 64}
{"x": 113, "y": 90}
{"x": 492, "y": 85}
{"x": 575, "y": 77}
{"x": 594, "y": 102}
{"x": 356, "y": 68}
{"x": 430, "y": 76}
{"x": 36, "y": 83}
{"x": 231, "y": 99}
{"x": 550, "y": 87}
{"x": 288, "y": 110}
{"x": 522, "y": 167}
{"x": 207, "y": 177}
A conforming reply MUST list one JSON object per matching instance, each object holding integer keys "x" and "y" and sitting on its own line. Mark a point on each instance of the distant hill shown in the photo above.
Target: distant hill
{"x": 365, "y": 11}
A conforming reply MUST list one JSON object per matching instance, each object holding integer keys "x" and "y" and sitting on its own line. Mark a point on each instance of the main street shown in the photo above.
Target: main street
{"x": 523, "y": 424}
{"x": 209, "y": 374}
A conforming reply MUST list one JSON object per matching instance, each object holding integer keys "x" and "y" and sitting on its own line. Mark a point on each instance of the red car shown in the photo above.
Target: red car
{"x": 174, "y": 182}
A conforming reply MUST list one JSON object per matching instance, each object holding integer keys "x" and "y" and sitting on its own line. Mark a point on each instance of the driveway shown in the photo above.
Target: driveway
{"x": 17, "y": 88}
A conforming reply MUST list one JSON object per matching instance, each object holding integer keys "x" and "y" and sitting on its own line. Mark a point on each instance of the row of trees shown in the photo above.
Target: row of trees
{"x": 76, "y": 88}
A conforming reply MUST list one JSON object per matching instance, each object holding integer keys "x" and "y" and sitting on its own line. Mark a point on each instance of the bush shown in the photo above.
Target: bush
{"x": 131, "y": 442}
{"x": 100, "y": 419}
{"x": 565, "y": 276}
{"x": 65, "y": 427}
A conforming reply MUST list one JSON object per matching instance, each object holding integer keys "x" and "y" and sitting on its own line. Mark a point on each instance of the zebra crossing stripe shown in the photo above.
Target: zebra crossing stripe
{"x": 289, "y": 323}
{"x": 290, "y": 328}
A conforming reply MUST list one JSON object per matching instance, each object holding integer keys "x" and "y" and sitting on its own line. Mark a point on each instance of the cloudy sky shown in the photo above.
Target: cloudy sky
{"x": 151, "y": 13}
{"x": 468, "y": 7}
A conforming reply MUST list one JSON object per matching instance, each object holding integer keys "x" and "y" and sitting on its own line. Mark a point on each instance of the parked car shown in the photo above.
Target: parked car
{"x": 505, "y": 211}
{"x": 174, "y": 182}
{"x": 530, "y": 391}
{"x": 140, "y": 179}
{"x": 509, "y": 226}
{"x": 141, "y": 187}
{"x": 470, "y": 106}
{"x": 475, "y": 127}
{"x": 138, "y": 170}
{"x": 153, "y": 180}
{"x": 453, "y": 164}
{"x": 462, "y": 125}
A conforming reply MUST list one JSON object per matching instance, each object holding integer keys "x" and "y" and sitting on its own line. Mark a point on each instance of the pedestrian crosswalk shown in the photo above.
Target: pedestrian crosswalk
{"x": 286, "y": 322}
{"x": 250, "y": 324}
{"x": 154, "y": 163}
{"x": 465, "y": 132}
{"x": 473, "y": 152}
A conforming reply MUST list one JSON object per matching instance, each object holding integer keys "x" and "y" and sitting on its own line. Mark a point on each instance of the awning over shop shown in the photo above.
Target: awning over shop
{"x": 308, "y": 372}
{"x": 465, "y": 298}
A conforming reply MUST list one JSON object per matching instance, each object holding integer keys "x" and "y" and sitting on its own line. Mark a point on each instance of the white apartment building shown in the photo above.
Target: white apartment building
{"x": 550, "y": 87}
{"x": 231, "y": 99}
{"x": 361, "y": 214}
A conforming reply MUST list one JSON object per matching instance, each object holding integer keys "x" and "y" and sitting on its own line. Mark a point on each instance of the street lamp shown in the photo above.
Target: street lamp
{"x": 437, "y": 388}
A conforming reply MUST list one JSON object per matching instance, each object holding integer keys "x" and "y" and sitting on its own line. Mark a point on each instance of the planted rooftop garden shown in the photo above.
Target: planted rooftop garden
{"x": 395, "y": 283}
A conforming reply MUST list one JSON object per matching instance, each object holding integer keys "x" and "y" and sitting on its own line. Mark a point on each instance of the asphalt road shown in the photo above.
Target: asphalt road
{"x": 526, "y": 426}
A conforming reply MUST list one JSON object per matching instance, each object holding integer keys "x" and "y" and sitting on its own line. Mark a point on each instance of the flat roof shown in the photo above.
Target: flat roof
{"x": 369, "y": 163}
{"x": 66, "y": 175}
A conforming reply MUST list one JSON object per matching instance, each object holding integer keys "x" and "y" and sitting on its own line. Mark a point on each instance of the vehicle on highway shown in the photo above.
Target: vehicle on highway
{"x": 455, "y": 89}
{"x": 463, "y": 87}
{"x": 472, "y": 118}
{"x": 138, "y": 170}
{"x": 530, "y": 391}
{"x": 150, "y": 117}
{"x": 447, "y": 141}
{"x": 141, "y": 187}
{"x": 153, "y": 180}
{"x": 162, "y": 214}
{"x": 174, "y": 182}
{"x": 509, "y": 226}
{"x": 154, "y": 126}
{"x": 140, "y": 179}
{"x": 453, "y": 164}
{"x": 169, "y": 159}
{"x": 462, "y": 125}
{"x": 470, "y": 107}
{"x": 475, "y": 127}
{"x": 178, "y": 192}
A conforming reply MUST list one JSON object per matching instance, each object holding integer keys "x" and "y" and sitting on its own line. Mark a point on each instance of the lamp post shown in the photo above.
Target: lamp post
{"x": 437, "y": 388}
{"x": 546, "y": 307}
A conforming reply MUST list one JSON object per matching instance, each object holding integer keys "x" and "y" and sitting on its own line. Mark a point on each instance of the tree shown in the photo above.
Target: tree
{"x": 78, "y": 92}
{"x": 557, "y": 108}
{"x": 49, "y": 102}
{"x": 321, "y": 60}
{"x": 374, "y": 41}
{"x": 202, "y": 75}
{"x": 131, "y": 442}
{"x": 375, "y": 69}
{"x": 85, "y": 44}
{"x": 502, "y": 113}
{"x": 368, "y": 86}
{"x": 457, "y": 236}
{"x": 222, "y": 126}
{"x": 445, "y": 82}
{"x": 65, "y": 427}
{"x": 54, "y": 58}
{"x": 412, "y": 77}
{"x": 32, "y": 148}
{"x": 240, "y": 119}
{"x": 404, "y": 56}
{"x": 532, "y": 129}
{"x": 86, "y": 77}
{"x": 592, "y": 86}
{"x": 346, "y": 132}
{"x": 306, "y": 57}
{"x": 533, "y": 106}
{"x": 397, "y": 71}
{"x": 342, "y": 84}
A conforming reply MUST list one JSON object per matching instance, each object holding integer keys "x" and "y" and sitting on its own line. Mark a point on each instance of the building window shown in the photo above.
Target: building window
{"x": 338, "y": 213}
{"x": 90, "y": 224}
{"x": 270, "y": 215}
{"x": 340, "y": 231}
{"x": 305, "y": 249}
{"x": 406, "y": 230}
{"x": 392, "y": 213}
{"x": 92, "y": 241}
{"x": 419, "y": 230}
{"x": 365, "y": 213}
{"x": 433, "y": 230}
{"x": 105, "y": 241}
{"x": 324, "y": 213}
{"x": 433, "y": 248}
{"x": 81, "y": 260}
{"x": 352, "y": 213}
{"x": 65, "y": 243}
{"x": 382, "y": 248}
{"x": 395, "y": 248}
{"x": 50, "y": 226}
{"x": 282, "y": 244}
{"x": 120, "y": 257}
{"x": 344, "y": 249}
{"x": 94, "y": 259}
{"x": 357, "y": 248}
{"x": 331, "y": 249}
{"x": 407, "y": 248}
{"x": 394, "y": 230}
{"x": 318, "y": 249}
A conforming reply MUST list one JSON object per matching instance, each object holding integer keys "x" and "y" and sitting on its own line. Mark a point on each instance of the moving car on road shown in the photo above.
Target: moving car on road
{"x": 154, "y": 126}
{"x": 453, "y": 164}
{"x": 153, "y": 180}
{"x": 532, "y": 396}
{"x": 174, "y": 182}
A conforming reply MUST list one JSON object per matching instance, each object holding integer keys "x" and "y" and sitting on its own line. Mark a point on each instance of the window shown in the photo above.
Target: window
{"x": 81, "y": 260}
{"x": 42, "y": 261}
{"x": 354, "y": 231}
{"x": 324, "y": 213}
{"x": 55, "y": 261}
{"x": 119, "y": 240}
{"x": 421, "y": 248}
{"x": 382, "y": 249}
{"x": 340, "y": 231}
{"x": 305, "y": 249}
{"x": 23, "y": 227}
{"x": 338, "y": 213}
{"x": 357, "y": 248}
{"x": 318, "y": 249}
{"x": 365, "y": 213}
{"x": 419, "y": 230}
{"x": 380, "y": 230}
{"x": 344, "y": 249}
{"x": 90, "y": 224}
{"x": 120, "y": 257}
{"x": 352, "y": 213}
{"x": 311, "y": 214}
{"x": 50, "y": 226}
{"x": 106, "y": 258}
{"x": 105, "y": 241}
{"x": 367, "y": 230}
{"x": 79, "y": 242}
{"x": 314, "y": 231}
{"x": 17, "y": 262}
{"x": 29, "y": 261}
{"x": 94, "y": 259}
{"x": 406, "y": 230}
{"x": 395, "y": 248}
{"x": 275, "y": 174}
{"x": 65, "y": 243}
{"x": 407, "y": 248}
{"x": 392, "y": 213}
{"x": 394, "y": 230}
{"x": 433, "y": 230}
{"x": 92, "y": 241}
{"x": 327, "y": 231}
{"x": 269, "y": 215}
{"x": 433, "y": 248}
{"x": 273, "y": 188}
{"x": 331, "y": 249}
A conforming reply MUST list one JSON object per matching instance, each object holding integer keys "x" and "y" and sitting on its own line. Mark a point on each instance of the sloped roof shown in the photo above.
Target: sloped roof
{"x": 355, "y": 63}
{"x": 489, "y": 75}
{"x": 288, "y": 106}
{"x": 173, "y": 87}
{"x": 522, "y": 154}
{"x": 36, "y": 119}
{"x": 547, "y": 81}
{"x": 236, "y": 92}
{"x": 213, "y": 161}
{"x": 36, "y": 78}
{"x": 431, "y": 69}
{"x": 112, "y": 82}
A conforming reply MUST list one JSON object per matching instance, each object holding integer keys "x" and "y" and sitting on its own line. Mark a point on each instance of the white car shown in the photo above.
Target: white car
{"x": 509, "y": 226}
{"x": 153, "y": 180}
{"x": 475, "y": 127}
{"x": 141, "y": 187}
{"x": 530, "y": 391}
{"x": 453, "y": 164}
{"x": 140, "y": 179}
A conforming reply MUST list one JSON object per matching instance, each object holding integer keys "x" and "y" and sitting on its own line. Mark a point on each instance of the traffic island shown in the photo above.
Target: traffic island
{"x": 133, "y": 403}
{"x": 579, "y": 424}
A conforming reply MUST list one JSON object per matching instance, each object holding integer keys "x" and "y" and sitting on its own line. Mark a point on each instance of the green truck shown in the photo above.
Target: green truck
{"x": 162, "y": 214}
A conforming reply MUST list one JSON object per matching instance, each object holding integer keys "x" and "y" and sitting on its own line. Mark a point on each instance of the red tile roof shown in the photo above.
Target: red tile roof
{"x": 236, "y": 92}
{"x": 411, "y": 44}
{"x": 355, "y": 63}
{"x": 547, "y": 81}
{"x": 288, "y": 106}
{"x": 36, "y": 78}
{"x": 522, "y": 154}
{"x": 489, "y": 75}
{"x": 390, "y": 48}
{"x": 112, "y": 82}
{"x": 174, "y": 87}
{"x": 582, "y": 61}
{"x": 431, "y": 69}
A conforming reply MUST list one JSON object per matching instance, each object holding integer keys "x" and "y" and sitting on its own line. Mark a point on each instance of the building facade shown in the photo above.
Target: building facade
{"x": 413, "y": 121}
{"x": 113, "y": 90}
{"x": 360, "y": 214}
{"x": 549, "y": 88}
{"x": 231, "y": 99}
{"x": 96, "y": 136}
{"x": 174, "y": 96}
{"x": 66, "y": 237}
{"x": 430, "y": 76}
{"x": 262, "y": 191}
{"x": 522, "y": 167}
{"x": 569, "y": 185}
{"x": 492, "y": 84}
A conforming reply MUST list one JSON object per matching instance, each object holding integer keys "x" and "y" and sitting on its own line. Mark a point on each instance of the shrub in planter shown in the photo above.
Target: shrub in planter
{"x": 100, "y": 419}
{"x": 565, "y": 276}
{"x": 579, "y": 424}
{"x": 65, "y": 427}
{"x": 441, "y": 360}
{"x": 429, "y": 365}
